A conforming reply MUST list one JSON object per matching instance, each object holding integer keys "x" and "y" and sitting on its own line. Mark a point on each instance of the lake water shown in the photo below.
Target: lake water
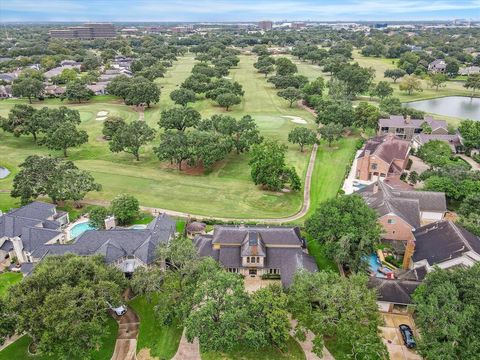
{"x": 456, "y": 106}
{"x": 3, "y": 172}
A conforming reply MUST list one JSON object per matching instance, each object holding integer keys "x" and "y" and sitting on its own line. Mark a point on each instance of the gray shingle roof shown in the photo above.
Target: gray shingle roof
{"x": 7, "y": 246}
{"x": 452, "y": 140}
{"x": 270, "y": 235}
{"x": 289, "y": 261}
{"x": 393, "y": 291}
{"x": 398, "y": 121}
{"x": 34, "y": 237}
{"x": 117, "y": 243}
{"x": 442, "y": 241}
{"x": 406, "y": 204}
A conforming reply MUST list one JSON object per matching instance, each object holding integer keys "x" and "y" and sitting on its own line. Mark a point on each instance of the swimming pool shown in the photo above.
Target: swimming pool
{"x": 79, "y": 229}
{"x": 375, "y": 265}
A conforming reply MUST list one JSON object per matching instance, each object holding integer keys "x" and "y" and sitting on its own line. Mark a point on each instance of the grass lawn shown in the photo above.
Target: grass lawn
{"x": 7, "y": 280}
{"x": 19, "y": 349}
{"x": 338, "y": 350}
{"x": 293, "y": 352}
{"x": 160, "y": 339}
{"x": 157, "y": 184}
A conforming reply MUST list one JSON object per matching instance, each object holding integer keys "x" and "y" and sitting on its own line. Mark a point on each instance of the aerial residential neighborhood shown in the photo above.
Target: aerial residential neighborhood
{"x": 239, "y": 180}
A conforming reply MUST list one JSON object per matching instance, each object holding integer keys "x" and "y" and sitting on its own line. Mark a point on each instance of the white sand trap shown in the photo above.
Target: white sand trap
{"x": 295, "y": 119}
{"x": 102, "y": 113}
{"x": 227, "y": 77}
{"x": 100, "y": 118}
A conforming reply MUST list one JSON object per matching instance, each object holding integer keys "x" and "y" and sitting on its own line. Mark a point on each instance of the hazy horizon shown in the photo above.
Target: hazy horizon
{"x": 236, "y": 11}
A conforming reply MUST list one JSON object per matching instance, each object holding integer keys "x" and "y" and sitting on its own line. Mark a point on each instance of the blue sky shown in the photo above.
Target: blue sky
{"x": 233, "y": 10}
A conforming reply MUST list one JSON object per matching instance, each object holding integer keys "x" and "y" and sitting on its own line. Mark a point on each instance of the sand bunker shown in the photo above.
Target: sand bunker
{"x": 295, "y": 119}
{"x": 101, "y": 115}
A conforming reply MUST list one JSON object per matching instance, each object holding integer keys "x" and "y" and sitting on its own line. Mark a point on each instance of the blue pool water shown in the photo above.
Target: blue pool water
{"x": 375, "y": 265}
{"x": 79, "y": 229}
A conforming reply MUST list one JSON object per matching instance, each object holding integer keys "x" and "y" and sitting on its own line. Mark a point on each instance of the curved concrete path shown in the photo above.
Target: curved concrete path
{"x": 307, "y": 345}
{"x": 187, "y": 350}
{"x": 126, "y": 345}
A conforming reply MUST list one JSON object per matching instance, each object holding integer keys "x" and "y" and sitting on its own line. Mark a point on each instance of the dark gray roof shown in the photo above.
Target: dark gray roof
{"x": 452, "y": 140}
{"x": 34, "y": 237}
{"x": 229, "y": 256}
{"x": 7, "y": 246}
{"x": 270, "y": 235}
{"x": 117, "y": 243}
{"x": 406, "y": 204}
{"x": 203, "y": 244}
{"x": 386, "y": 147}
{"x": 398, "y": 121}
{"x": 34, "y": 214}
{"x": 393, "y": 291}
{"x": 27, "y": 268}
{"x": 442, "y": 241}
{"x": 289, "y": 261}
{"x": 417, "y": 274}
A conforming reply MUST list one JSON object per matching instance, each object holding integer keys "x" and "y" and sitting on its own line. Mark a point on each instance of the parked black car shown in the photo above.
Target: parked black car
{"x": 407, "y": 335}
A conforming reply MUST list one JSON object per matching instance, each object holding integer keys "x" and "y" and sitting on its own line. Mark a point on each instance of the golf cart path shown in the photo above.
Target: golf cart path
{"x": 126, "y": 345}
{"x": 187, "y": 350}
{"x": 303, "y": 211}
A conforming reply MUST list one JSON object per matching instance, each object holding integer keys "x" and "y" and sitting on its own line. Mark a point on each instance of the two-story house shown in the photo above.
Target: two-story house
{"x": 23, "y": 230}
{"x": 407, "y": 128}
{"x": 381, "y": 157}
{"x": 257, "y": 250}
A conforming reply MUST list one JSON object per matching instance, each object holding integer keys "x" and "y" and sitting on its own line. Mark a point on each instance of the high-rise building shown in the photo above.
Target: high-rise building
{"x": 86, "y": 31}
{"x": 265, "y": 25}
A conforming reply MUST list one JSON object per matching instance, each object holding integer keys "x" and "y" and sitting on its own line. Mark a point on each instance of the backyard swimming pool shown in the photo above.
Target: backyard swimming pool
{"x": 79, "y": 229}
{"x": 376, "y": 267}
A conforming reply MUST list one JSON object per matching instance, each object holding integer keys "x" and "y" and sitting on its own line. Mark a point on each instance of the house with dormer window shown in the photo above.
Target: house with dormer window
{"x": 256, "y": 251}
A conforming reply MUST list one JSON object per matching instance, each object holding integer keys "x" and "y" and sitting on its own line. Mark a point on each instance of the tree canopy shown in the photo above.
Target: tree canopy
{"x": 131, "y": 137}
{"x": 347, "y": 227}
{"x": 268, "y": 167}
{"x": 125, "y": 208}
{"x": 63, "y": 306}
{"x": 302, "y": 136}
{"x": 448, "y": 313}
{"x": 329, "y": 305}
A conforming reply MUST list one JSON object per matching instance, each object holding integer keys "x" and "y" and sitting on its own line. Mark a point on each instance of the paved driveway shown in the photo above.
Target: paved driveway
{"x": 393, "y": 338}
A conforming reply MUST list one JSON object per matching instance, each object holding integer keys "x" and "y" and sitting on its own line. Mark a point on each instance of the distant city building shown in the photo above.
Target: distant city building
{"x": 265, "y": 25}
{"x": 86, "y": 31}
{"x": 298, "y": 25}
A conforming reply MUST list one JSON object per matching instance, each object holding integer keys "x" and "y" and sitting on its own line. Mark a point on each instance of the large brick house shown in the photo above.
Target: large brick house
{"x": 382, "y": 156}
{"x": 407, "y": 128}
{"x": 257, "y": 250}
{"x": 402, "y": 211}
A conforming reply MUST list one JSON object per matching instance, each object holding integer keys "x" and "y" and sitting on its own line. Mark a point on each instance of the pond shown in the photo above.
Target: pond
{"x": 456, "y": 106}
{"x": 4, "y": 172}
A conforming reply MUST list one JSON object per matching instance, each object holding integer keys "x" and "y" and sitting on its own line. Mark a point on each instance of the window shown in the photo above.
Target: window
{"x": 385, "y": 128}
{"x": 248, "y": 259}
{"x": 391, "y": 221}
{"x": 233, "y": 270}
{"x": 374, "y": 166}
{"x": 274, "y": 271}
{"x": 252, "y": 272}
{"x": 417, "y": 130}
{"x": 400, "y": 131}
{"x": 252, "y": 259}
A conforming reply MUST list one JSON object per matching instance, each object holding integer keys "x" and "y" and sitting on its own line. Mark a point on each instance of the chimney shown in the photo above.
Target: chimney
{"x": 407, "y": 119}
{"x": 409, "y": 250}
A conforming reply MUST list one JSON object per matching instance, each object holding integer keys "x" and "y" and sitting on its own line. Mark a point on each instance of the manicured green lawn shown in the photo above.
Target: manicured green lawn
{"x": 293, "y": 352}
{"x": 160, "y": 339}
{"x": 7, "y": 280}
{"x": 317, "y": 250}
{"x": 159, "y": 185}
{"x": 19, "y": 349}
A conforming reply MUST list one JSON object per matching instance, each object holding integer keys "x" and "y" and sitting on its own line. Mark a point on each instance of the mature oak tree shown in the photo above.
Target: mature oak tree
{"x": 347, "y": 227}
{"x": 268, "y": 167}
{"x": 290, "y": 94}
{"x": 182, "y": 96}
{"x": 131, "y": 137}
{"x": 65, "y": 136}
{"x": 63, "y": 306}
{"x": 179, "y": 118}
{"x": 331, "y": 132}
{"x": 302, "y": 136}
{"x": 125, "y": 208}
{"x": 329, "y": 305}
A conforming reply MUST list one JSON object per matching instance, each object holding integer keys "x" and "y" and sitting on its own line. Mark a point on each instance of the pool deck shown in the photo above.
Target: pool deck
{"x": 67, "y": 230}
